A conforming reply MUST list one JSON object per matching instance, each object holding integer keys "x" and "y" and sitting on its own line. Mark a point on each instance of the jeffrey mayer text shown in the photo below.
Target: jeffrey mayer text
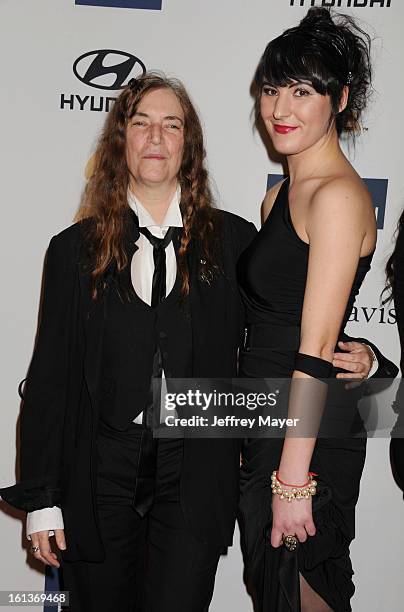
{"x": 229, "y": 421}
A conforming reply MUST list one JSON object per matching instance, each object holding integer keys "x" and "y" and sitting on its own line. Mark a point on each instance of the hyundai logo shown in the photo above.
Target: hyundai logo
{"x": 107, "y": 69}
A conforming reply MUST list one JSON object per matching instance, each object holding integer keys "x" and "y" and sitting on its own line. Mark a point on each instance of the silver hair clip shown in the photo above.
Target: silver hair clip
{"x": 349, "y": 78}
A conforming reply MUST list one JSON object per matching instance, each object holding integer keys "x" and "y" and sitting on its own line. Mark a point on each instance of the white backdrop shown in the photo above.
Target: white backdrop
{"x": 213, "y": 46}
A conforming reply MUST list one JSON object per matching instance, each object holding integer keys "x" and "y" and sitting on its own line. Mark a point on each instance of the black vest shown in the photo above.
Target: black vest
{"x": 133, "y": 331}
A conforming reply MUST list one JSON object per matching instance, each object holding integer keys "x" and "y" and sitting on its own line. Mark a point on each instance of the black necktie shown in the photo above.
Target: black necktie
{"x": 145, "y": 480}
{"x": 159, "y": 257}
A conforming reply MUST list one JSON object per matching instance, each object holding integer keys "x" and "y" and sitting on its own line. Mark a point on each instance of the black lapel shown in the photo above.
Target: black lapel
{"x": 94, "y": 310}
{"x": 196, "y": 305}
{"x": 208, "y": 312}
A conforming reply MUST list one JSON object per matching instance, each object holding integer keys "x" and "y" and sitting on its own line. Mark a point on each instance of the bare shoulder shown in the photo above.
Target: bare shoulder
{"x": 269, "y": 200}
{"x": 345, "y": 193}
{"x": 342, "y": 205}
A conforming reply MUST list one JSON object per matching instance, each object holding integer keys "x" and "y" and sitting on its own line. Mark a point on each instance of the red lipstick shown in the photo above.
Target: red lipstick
{"x": 284, "y": 129}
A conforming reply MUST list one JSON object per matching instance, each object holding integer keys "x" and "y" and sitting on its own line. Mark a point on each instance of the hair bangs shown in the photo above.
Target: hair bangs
{"x": 292, "y": 58}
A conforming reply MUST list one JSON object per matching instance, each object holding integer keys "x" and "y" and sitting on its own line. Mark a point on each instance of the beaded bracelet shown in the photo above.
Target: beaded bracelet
{"x": 297, "y": 492}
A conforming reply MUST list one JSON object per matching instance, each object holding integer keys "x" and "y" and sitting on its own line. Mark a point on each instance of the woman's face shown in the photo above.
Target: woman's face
{"x": 296, "y": 116}
{"x": 155, "y": 139}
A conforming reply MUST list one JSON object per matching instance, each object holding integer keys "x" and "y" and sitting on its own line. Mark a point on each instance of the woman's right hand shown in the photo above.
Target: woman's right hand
{"x": 45, "y": 553}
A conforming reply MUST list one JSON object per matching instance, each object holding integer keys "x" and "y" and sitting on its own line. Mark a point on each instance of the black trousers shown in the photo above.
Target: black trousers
{"x": 154, "y": 563}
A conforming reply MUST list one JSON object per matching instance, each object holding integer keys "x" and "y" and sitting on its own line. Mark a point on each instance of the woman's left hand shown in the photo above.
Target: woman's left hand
{"x": 358, "y": 361}
{"x": 291, "y": 518}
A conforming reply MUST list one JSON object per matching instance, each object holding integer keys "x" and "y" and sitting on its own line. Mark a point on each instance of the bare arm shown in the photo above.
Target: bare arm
{"x": 336, "y": 227}
{"x": 339, "y": 230}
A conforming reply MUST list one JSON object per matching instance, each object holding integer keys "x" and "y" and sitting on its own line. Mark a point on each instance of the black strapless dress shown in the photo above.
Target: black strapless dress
{"x": 272, "y": 276}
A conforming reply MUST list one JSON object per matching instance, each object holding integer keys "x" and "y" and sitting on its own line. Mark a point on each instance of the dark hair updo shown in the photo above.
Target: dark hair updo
{"x": 329, "y": 51}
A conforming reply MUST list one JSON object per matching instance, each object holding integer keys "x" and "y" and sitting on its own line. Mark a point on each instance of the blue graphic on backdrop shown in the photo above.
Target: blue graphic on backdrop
{"x": 152, "y": 5}
{"x": 377, "y": 189}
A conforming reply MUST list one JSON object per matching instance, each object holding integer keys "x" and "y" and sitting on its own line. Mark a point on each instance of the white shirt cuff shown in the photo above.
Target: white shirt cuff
{"x": 47, "y": 519}
{"x": 375, "y": 364}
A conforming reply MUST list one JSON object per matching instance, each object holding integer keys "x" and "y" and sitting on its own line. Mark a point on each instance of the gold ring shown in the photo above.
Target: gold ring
{"x": 291, "y": 542}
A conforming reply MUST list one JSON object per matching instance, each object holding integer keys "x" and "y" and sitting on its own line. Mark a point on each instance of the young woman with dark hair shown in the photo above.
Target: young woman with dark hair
{"x": 299, "y": 278}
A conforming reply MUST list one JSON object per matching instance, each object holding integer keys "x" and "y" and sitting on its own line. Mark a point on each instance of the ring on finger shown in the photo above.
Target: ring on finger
{"x": 290, "y": 542}
{"x": 34, "y": 549}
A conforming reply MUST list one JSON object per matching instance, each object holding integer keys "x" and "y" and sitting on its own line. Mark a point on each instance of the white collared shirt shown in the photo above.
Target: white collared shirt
{"x": 142, "y": 268}
{"x": 142, "y": 265}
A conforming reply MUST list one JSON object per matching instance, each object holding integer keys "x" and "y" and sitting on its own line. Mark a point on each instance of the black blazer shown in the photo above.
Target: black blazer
{"x": 60, "y": 409}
